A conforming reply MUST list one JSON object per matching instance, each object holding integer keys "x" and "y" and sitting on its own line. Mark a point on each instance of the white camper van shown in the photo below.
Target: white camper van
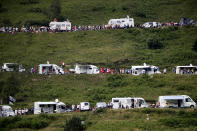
{"x": 50, "y": 69}
{"x": 6, "y": 111}
{"x": 176, "y": 101}
{"x": 84, "y": 106}
{"x": 186, "y": 69}
{"x": 128, "y": 102}
{"x": 49, "y": 107}
{"x": 151, "y": 24}
{"x": 121, "y": 22}
{"x": 144, "y": 69}
{"x": 86, "y": 69}
{"x": 62, "y": 26}
{"x": 13, "y": 67}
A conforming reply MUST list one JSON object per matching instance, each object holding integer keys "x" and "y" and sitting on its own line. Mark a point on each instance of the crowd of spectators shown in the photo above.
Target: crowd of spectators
{"x": 37, "y": 29}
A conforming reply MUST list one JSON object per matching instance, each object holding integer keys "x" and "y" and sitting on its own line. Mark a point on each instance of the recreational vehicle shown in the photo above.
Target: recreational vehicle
{"x": 49, "y": 107}
{"x": 151, "y": 24}
{"x": 6, "y": 111}
{"x": 86, "y": 69}
{"x": 176, "y": 101}
{"x": 144, "y": 69}
{"x": 121, "y": 22}
{"x": 13, "y": 67}
{"x": 186, "y": 69}
{"x": 61, "y": 26}
{"x": 50, "y": 69}
{"x": 128, "y": 102}
{"x": 84, "y": 106}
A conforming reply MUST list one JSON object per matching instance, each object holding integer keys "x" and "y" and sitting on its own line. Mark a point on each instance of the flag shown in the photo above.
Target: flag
{"x": 12, "y": 99}
{"x": 10, "y": 103}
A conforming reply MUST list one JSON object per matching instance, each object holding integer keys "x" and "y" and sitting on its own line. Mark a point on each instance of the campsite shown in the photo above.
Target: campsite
{"x": 98, "y": 65}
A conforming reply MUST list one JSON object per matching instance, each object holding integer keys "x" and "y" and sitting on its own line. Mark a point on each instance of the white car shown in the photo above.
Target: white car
{"x": 101, "y": 105}
{"x": 84, "y": 106}
{"x": 6, "y": 111}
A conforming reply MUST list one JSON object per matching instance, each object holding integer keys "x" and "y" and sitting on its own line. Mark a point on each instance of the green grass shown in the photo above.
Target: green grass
{"x": 112, "y": 48}
{"x": 109, "y": 47}
{"x": 99, "y": 11}
{"x": 111, "y": 120}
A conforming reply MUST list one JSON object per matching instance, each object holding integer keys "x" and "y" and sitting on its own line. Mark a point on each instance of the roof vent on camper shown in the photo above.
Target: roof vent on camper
{"x": 190, "y": 65}
{"x": 127, "y": 17}
{"x": 56, "y": 100}
{"x": 144, "y": 64}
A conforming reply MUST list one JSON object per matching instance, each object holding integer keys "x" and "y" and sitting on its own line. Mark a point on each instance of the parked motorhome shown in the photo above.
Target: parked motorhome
{"x": 128, "y": 102}
{"x": 61, "y": 26}
{"x": 84, "y": 106}
{"x": 6, "y": 111}
{"x": 151, "y": 24}
{"x": 13, "y": 67}
{"x": 176, "y": 101}
{"x": 49, "y": 107}
{"x": 186, "y": 69}
{"x": 50, "y": 69}
{"x": 121, "y": 22}
{"x": 144, "y": 69}
{"x": 86, "y": 69}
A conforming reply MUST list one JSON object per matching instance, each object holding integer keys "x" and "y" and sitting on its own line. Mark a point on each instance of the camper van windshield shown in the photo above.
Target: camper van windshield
{"x": 188, "y": 100}
{"x": 116, "y": 100}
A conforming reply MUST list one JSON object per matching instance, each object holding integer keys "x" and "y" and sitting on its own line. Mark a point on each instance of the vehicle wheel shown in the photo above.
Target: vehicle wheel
{"x": 191, "y": 106}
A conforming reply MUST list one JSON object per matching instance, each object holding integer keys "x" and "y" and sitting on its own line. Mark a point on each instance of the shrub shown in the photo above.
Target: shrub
{"x": 100, "y": 110}
{"x": 155, "y": 43}
{"x": 74, "y": 124}
{"x": 26, "y": 2}
{"x": 195, "y": 46}
{"x": 35, "y": 10}
{"x": 116, "y": 81}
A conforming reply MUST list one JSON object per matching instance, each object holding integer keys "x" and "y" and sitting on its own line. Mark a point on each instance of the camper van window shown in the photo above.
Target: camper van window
{"x": 123, "y": 21}
{"x": 90, "y": 68}
{"x": 41, "y": 105}
{"x": 116, "y": 101}
{"x": 63, "y": 107}
{"x": 63, "y": 25}
{"x": 188, "y": 100}
{"x": 86, "y": 104}
{"x": 118, "y": 22}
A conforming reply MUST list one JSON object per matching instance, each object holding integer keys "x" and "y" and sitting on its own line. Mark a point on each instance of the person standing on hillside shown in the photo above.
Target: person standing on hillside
{"x": 164, "y": 71}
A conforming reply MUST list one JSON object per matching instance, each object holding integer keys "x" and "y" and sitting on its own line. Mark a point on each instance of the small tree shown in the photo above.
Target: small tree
{"x": 74, "y": 124}
{"x": 195, "y": 46}
{"x": 155, "y": 43}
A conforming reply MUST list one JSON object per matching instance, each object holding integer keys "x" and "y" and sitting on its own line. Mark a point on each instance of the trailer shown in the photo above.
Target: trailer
{"x": 151, "y": 24}
{"x": 60, "y": 26}
{"x": 50, "y": 69}
{"x": 186, "y": 69}
{"x": 13, "y": 67}
{"x": 121, "y": 22}
{"x": 86, "y": 69}
{"x": 176, "y": 101}
{"x": 49, "y": 107}
{"x": 145, "y": 69}
{"x": 128, "y": 102}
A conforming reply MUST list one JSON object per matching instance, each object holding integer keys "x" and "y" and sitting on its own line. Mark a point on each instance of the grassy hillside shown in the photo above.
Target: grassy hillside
{"x": 111, "y": 120}
{"x": 93, "y": 88}
{"x": 115, "y": 48}
{"x": 111, "y": 48}
{"x": 95, "y": 11}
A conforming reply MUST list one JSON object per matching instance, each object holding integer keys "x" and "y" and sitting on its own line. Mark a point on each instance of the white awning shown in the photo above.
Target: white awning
{"x": 173, "y": 97}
